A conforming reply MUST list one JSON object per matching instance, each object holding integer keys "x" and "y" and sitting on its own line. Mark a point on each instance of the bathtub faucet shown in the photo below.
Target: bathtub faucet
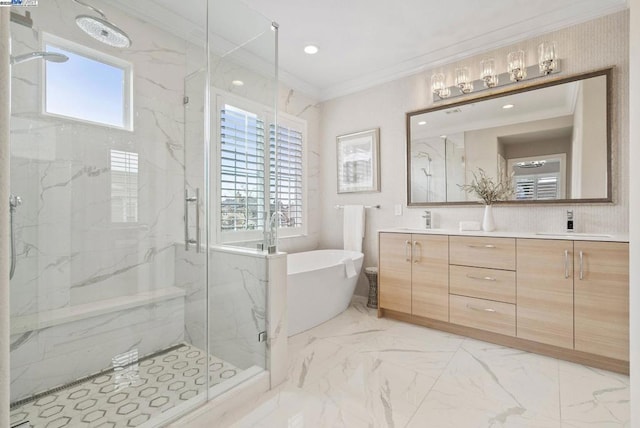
{"x": 271, "y": 234}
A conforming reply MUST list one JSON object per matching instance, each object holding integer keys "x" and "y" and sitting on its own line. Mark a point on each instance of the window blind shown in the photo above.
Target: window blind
{"x": 242, "y": 164}
{"x": 537, "y": 187}
{"x": 288, "y": 189}
{"x": 124, "y": 187}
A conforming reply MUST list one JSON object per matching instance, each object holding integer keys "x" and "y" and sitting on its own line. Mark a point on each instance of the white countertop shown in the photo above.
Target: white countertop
{"x": 573, "y": 236}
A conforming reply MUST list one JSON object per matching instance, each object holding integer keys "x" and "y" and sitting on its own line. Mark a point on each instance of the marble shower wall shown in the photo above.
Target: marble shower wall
{"x": 237, "y": 306}
{"x": 49, "y": 357}
{"x": 69, "y": 252}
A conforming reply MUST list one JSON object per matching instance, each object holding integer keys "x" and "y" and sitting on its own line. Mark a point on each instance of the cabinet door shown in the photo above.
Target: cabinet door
{"x": 394, "y": 272}
{"x": 602, "y": 298}
{"x": 430, "y": 277}
{"x": 544, "y": 293}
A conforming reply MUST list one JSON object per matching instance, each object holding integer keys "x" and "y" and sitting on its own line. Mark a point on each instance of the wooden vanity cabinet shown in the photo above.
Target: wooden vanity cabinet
{"x": 394, "y": 272}
{"x": 575, "y": 295}
{"x": 430, "y": 277}
{"x": 544, "y": 293}
{"x": 413, "y": 274}
{"x": 601, "y": 297}
{"x": 564, "y": 298}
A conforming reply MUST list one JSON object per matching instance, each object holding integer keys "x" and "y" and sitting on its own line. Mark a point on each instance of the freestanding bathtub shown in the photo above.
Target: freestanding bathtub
{"x": 320, "y": 285}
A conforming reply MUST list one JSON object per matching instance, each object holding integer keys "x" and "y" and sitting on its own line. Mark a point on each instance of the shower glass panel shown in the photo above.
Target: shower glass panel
{"x": 108, "y": 308}
{"x": 243, "y": 89}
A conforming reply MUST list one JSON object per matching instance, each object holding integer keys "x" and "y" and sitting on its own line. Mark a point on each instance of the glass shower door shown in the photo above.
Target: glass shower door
{"x": 108, "y": 315}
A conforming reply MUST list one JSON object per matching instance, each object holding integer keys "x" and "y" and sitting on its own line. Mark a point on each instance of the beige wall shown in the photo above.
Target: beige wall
{"x": 592, "y": 45}
{"x": 634, "y": 177}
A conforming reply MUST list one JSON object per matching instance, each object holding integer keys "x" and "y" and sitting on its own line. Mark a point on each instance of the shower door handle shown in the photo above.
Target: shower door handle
{"x": 187, "y": 199}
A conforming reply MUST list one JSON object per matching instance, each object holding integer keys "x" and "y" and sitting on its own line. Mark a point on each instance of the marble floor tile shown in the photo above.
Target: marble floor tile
{"x": 487, "y": 385}
{"x": 381, "y": 393}
{"x": 593, "y": 398}
{"x": 360, "y": 371}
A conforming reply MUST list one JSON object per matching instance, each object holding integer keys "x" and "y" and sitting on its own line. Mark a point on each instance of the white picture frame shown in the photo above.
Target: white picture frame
{"x": 358, "y": 161}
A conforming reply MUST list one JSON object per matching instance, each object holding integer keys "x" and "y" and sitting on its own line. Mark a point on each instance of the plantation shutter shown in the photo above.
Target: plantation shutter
{"x": 534, "y": 187}
{"x": 242, "y": 160}
{"x": 289, "y": 190}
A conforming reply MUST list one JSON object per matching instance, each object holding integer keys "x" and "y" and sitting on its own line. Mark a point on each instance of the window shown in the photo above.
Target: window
{"x": 248, "y": 177}
{"x": 90, "y": 87}
{"x": 537, "y": 187}
{"x": 124, "y": 187}
{"x": 288, "y": 190}
{"x": 242, "y": 157}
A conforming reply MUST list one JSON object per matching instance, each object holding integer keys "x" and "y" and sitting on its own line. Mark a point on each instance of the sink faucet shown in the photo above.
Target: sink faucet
{"x": 570, "y": 221}
{"x": 427, "y": 219}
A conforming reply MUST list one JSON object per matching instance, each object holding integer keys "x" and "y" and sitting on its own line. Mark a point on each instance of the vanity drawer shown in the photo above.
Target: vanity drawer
{"x": 490, "y": 284}
{"x": 496, "y": 253}
{"x": 483, "y": 314}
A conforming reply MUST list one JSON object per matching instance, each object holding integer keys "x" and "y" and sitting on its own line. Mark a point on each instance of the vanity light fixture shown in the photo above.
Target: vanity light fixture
{"x": 547, "y": 59}
{"x": 439, "y": 86}
{"x": 237, "y": 83}
{"x": 311, "y": 49}
{"x": 489, "y": 74}
{"x": 517, "y": 70}
{"x": 516, "y": 66}
{"x": 462, "y": 80}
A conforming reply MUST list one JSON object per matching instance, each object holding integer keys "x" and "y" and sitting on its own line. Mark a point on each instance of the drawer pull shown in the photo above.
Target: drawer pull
{"x": 566, "y": 264}
{"x": 473, "y": 308}
{"x": 481, "y": 278}
{"x": 482, "y": 246}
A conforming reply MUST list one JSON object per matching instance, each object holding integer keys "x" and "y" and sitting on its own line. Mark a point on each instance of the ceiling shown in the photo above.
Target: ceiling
{"x": 367, "y": 42}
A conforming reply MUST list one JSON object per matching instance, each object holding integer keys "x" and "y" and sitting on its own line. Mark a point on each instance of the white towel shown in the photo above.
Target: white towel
{"x": 353, "y": 227}
{"x": 349, "y": 267}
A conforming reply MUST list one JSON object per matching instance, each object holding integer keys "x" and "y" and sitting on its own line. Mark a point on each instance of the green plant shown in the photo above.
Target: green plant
{"x": 487, "y": 189}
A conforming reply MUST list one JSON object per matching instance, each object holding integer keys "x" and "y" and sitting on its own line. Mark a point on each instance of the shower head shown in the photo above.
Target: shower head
{"x": 47, "y": 56}
{"x": 101, "y": 29}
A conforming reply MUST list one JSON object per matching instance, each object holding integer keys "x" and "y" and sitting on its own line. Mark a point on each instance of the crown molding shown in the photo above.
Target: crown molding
{"x": 468, "y": 48}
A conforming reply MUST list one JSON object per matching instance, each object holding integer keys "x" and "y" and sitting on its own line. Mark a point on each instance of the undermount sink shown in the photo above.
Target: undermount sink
{"x": 574, "y": 234}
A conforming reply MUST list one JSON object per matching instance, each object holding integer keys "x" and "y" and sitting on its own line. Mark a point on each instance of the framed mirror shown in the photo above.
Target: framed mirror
{"x": 552, "y": 139}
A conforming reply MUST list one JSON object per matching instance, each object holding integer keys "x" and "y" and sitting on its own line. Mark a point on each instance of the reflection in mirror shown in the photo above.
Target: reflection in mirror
{"x": 552, "y": 140}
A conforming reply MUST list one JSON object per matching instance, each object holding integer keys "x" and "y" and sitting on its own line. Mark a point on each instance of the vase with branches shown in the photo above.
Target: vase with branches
{"x": 490, "y": 191}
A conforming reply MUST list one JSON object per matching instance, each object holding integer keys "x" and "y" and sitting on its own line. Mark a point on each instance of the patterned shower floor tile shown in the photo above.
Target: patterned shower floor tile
{"x": 127, "y": 396}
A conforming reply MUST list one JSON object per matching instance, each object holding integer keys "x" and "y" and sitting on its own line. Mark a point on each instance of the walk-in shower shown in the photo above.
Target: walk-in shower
{"x": 113, "y": 322}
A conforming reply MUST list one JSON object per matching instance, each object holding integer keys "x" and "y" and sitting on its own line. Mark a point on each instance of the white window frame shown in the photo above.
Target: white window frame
{"x": 266, "y": 114}
{"x": 127, "y": 67}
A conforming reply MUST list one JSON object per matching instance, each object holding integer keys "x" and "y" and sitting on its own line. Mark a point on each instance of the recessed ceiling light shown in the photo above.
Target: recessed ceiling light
{"x": 311, "y": 49}
{"x": 508, "y": 106}
{"x": 422, "y": 122}
{"x": 237, "y": 83}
